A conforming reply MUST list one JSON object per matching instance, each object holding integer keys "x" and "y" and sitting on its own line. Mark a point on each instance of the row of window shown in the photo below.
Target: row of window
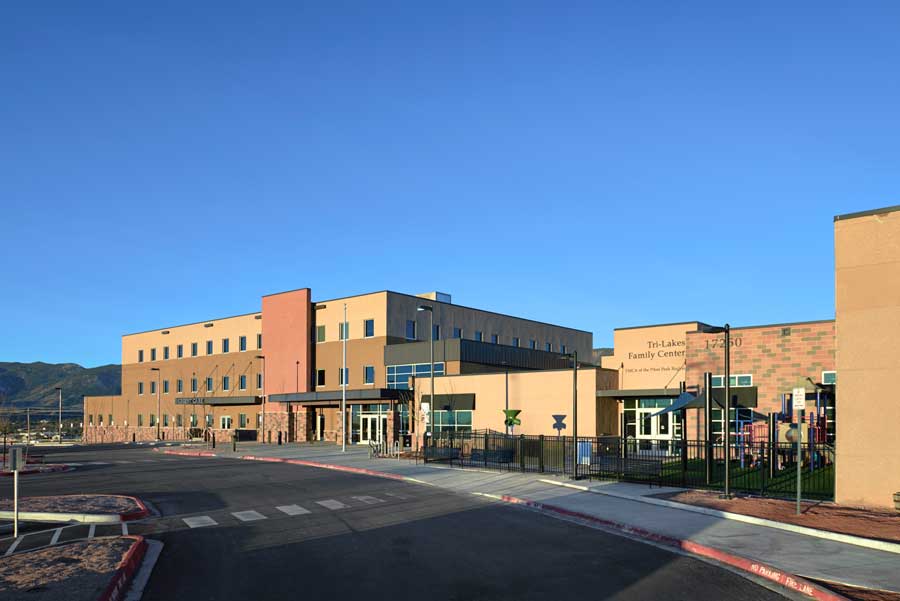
{"x": 210, "y": 384}
{"x": 225, "y": 421}
{"x": 195, "y": 349}
{"x": 479, "y": 337}
{"x": 744, "y": 380}
{"x": 344, "y": 376}
{"x": 398, "y": 375}
{"x": 344, "y": 330}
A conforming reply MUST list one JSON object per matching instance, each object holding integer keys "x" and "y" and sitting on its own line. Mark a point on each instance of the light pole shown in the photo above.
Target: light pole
{"x": 59, "y": 423}
{"x": 506, "y": 395}
{"x": 574, "y": 356}
{"x": 726, "y": 329}
{"x": 344, "y": 383}
{"x": 263, "y": 421}
{"x": 431, "y": 416}
{"x": 158, "y": 416}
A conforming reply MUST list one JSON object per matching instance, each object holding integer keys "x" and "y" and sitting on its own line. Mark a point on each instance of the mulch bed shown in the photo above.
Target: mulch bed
{"x": 73, "y": 572}
{"x": 74, "y": 504}
{"x": 869, "y": 523}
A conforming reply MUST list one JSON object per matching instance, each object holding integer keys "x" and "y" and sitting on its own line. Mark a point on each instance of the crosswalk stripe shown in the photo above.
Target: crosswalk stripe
{"x": 124, "y": 461}
{"x": 331, "y": 504}
{"x": 396, "y": 496}
{"x": 200, "y": 521}
{"x": 248, "y": 516}
{"x": 369, "y": 500}
{"x": 91, "y": 530}
{"x": 292, "y": 509}
{"x": 55, "y": 537}
{"x": 13, "y": 546}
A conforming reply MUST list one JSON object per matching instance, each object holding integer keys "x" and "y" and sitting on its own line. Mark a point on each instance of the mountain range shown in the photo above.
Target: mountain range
{"x": 34, "y": 384}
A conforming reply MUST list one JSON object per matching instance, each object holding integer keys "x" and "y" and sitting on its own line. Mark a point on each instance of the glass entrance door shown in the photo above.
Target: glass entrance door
{"x": 370, "y": 428}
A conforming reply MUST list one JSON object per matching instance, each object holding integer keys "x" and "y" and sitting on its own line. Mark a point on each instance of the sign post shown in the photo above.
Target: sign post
{"x": 558, "y": 423}
{"x": 512, "y": 420}
{"x": 16, "y": 462}
{"x": 798, "y": 403}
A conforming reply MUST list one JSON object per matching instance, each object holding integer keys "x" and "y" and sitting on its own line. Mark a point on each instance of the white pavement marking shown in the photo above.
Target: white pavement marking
{"x": 200, "y": 521}
{"x": 91, "y": 530}
{"x": 248, "y": 516}
{"x": 13, "y": 546}
{"x": 124, "y": 528}
{"x": 331, "y": 504}
{"x": 124, "y": 461}
{"x": 56, "y": 534}
{"x": 292, "y": 509}
{"x": 369, "y": 500}
{"x": 396, "y": 496}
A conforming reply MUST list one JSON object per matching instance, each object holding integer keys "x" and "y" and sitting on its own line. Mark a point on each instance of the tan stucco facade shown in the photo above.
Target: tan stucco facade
{"x": 867, "y": 311}
{"x": 651, "y": 356}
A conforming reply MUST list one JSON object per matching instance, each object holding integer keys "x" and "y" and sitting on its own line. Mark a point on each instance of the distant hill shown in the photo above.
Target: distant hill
{"x": 34, "y": 384}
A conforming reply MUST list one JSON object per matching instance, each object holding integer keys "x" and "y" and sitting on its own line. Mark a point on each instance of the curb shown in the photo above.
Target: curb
{"x": 184, "y": 453}
{"x": 780, "y": 577}
{"x": 849, "y": 539}
{"x": 125, "y": 571}
{"x": 84, "y": 518}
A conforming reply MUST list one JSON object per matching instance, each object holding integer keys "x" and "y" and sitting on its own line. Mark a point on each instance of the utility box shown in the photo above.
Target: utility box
{"x": 16, "y": 459}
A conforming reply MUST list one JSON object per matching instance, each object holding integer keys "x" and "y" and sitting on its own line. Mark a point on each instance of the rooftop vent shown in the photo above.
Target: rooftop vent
{"x": 441, "y": 297}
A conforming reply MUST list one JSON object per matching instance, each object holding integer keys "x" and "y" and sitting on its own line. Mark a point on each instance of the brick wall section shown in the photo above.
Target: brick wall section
{"x": 777, "y": 361}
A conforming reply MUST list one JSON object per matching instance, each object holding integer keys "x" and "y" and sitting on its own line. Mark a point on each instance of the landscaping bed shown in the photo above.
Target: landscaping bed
{"x": 72, "y": 572}
{"x": 868, "y": 523}
{"x": 111, "y": 504}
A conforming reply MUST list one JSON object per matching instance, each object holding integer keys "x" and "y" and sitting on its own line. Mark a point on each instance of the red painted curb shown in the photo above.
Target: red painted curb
{"x": 137, "y": 514}
{"x": 787, "y": 580}
{"x": 186, "y": 453}
{"x": 326, "y": 466}
{"x": 130, "y": 563}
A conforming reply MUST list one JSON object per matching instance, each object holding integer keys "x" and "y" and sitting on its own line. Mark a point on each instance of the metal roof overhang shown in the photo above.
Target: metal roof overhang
{"x": 639, "y": 392}
{"x": 366, "y": 394}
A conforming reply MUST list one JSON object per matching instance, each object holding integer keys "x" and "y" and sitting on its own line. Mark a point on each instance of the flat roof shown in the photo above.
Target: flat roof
{"x": 193, "y": 323}
{"x": 890, "y": 209}
{"x": 661, "y": 325}
{"x": 775, "y": 325}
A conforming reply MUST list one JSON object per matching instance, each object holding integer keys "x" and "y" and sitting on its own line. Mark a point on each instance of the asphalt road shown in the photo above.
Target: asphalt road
{"x": 324, "y": 534}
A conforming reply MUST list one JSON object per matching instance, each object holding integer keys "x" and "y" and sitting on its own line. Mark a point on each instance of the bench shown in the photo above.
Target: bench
{"x": 442, "y": 454}
{"x": 492, "y": 456}
{"x": 629, "y": 467}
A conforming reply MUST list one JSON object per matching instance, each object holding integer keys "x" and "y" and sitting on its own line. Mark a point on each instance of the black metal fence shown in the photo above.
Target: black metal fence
{"x": 763, "y": 468}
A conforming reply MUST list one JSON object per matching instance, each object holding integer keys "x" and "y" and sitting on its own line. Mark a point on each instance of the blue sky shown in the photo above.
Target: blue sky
{"x": 595, "y": 165}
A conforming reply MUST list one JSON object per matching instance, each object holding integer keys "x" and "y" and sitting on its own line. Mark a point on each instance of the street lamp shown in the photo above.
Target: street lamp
{"x": 59, "y": 426}
{"x": 430, "y": 310}
{"x": 158, "y": 416}
{"x": 726, "y": 329}
{"x": 263, "y": 421}
{"x": 574, "y": 356}
{"x": 505, "y": 365}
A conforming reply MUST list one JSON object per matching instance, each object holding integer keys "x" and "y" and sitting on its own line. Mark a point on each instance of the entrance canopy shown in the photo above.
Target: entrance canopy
{"x": 687, "y": 400}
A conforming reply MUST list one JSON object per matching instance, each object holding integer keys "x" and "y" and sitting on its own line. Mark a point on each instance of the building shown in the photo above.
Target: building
{"x": 276, "y": 374}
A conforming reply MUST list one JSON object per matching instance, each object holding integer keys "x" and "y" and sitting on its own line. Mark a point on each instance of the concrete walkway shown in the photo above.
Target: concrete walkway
{"x": 796, "y": 553}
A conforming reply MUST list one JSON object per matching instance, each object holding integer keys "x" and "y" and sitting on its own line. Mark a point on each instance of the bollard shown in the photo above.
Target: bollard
{"x": 234, "y": 442}
{"x": 214, "y": 439}
{"x": 279, "y": 437}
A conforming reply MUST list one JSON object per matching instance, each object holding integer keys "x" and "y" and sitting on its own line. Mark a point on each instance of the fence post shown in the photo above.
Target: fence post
{"x": 541, "y": 463}
{"x": 522, "y": 452}
{"x": 486, "y": 438}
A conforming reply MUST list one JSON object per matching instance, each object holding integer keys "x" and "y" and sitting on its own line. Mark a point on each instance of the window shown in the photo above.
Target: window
{"x": 410, "y": 329}
{"x": 165, "y": 353}
{"x": 479, "y": 336}
{"x": 165, "y": 387}
{"x": 178, "y": 420}
{"x": 209, "y": 349}
{"x": 436, "y": 331}
{"x": 152, "y": 419}
{"x": 140, "y": 419}
{"x": 320, "y": 377}
{"x": 562, "y": 349}
{"x": 320, "y": 333}
{"x": 259, "y": 341}
{"x": 448, "y": 421}
{"x": 193, "y": 349}
{"x": 242, "y": 420}
{"x": 737, "y": 381}
{"x": 153, "y": 354}
{"x": 165, "y": 420}
{"x": 829, "y": 377}
{"x": 398, "y": 375}
{"x": 179, "y": 351}
{"x": 99, "y": 419}
{"x": 226, "y": 345}
{"x": 193, "y": 420}
{"x": 226, "y": 383}
{"x": 515, "y": 341}
{"x": 140, "y": 356}
{"x": 152, "y": 387}
{"x": 242, "y": 382}
{"x": 179, "y": 385}
{"x": 90, "y": 420}
{"x": 209, "y": 385}
{"x": 457, "y": 332}
{"x": 140, "y": 388}
{"x": 532, "y": 344}
{"x": 193, "y": 384}
{"x": 344, "y": 376}
{"x": 369, "y": 371}
{"x": 209, "y": 420}
{"x": 369, "y": 328}
{"x": 242, "y": 343}
{"x": 495, "y": 338}
{"x": 259, "y": 380}
{"x": 344, "y": 331}
{"x": 225, "y": 422}
{"x": 548, "y": 347}
{"x": 111, "y": 423}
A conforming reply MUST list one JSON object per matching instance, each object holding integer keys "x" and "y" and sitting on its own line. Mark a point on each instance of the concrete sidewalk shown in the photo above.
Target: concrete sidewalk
{"x": 793, "y": 552}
